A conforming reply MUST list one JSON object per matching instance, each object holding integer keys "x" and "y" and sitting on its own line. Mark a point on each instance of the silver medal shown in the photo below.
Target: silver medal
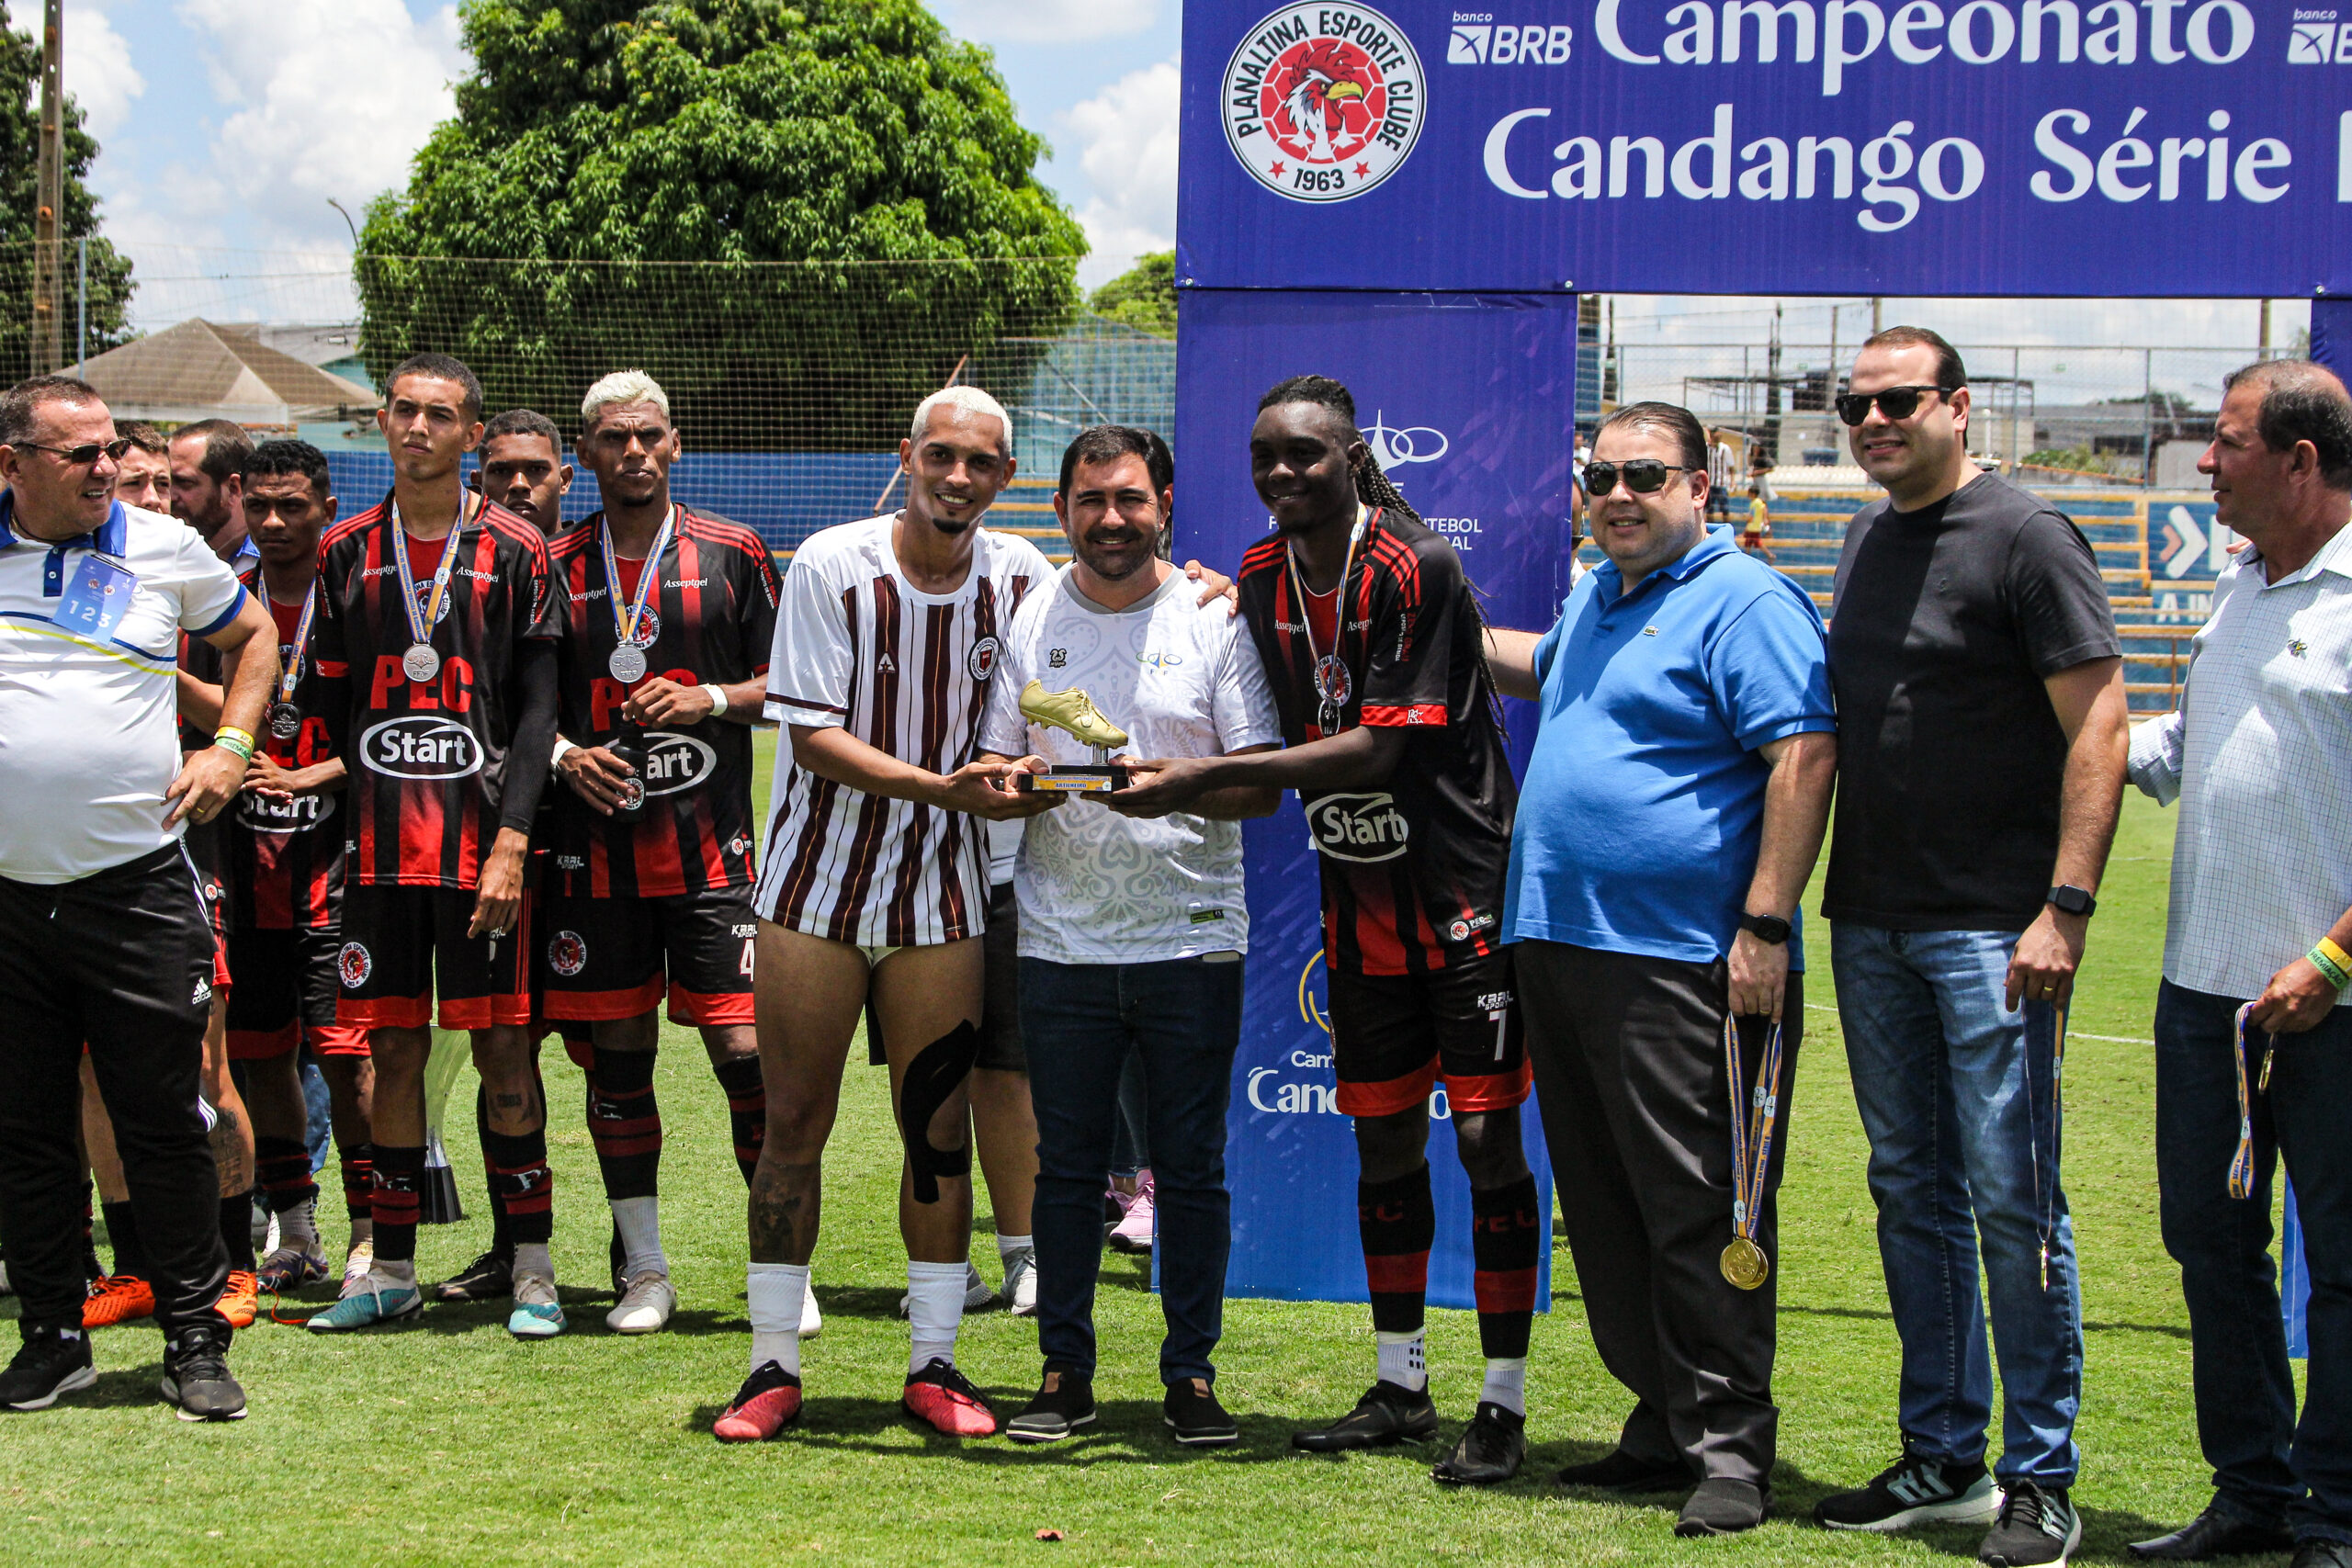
{"x": 284, "y": 722}
{"x": 421, "y": 662}
{"x": 627, "y": 664}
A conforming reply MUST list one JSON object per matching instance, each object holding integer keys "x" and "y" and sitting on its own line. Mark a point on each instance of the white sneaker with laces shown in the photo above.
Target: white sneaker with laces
{"x": 1021, "y": 1283}
{"x": 644, "y": 1307}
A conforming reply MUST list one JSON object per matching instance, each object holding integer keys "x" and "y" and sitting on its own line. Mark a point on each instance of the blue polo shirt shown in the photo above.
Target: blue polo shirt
{"x": 1643, "y": 812}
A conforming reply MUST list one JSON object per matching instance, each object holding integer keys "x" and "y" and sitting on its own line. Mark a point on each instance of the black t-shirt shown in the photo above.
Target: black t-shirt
{"x": 1413, "y": 872}
{"x": 1946, "y": 622}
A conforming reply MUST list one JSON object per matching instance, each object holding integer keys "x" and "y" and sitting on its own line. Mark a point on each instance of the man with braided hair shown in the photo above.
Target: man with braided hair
{"x": 1371, "y": 638}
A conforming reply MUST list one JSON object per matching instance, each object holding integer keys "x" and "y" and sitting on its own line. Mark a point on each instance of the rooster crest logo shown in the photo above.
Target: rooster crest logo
{"x": 1322, "y": 104}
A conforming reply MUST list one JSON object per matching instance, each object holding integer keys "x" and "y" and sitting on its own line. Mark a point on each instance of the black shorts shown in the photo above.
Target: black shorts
{"x": 289, "y": 993}
{"x": 1393, "y": 1035}
{"x": 402, "y": 945}
{"x": 610, "y": 958}
{"x": 1001, "y": 1047}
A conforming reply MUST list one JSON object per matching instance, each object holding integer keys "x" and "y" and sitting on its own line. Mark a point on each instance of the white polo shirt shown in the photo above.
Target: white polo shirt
{"x": 1182, "y": 681}
{"x": 89, "y": 727}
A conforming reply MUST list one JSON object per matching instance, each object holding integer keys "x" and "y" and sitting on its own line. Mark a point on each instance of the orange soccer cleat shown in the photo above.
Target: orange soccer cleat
{"x": 118, "y": 1298}
{"x": 241, "y": 1302}
{"x": 946, "y": 1398}
{"x": 768, "y": 1402}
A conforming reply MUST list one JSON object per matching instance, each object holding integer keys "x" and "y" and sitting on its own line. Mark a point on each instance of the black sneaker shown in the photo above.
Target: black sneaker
{"x": 2038, "y": 1529}
{"x": 2317, "y": 1553}
{"x": 487, "y": 1278}
{"x": 1621, "y": 1472}
{"x": 1723, "y": 1506}
{"x": 1489, "y": 1451}
{"x": 1054, "y": 1413}
{"x": 1914, "y": 1491}
{"x": 1196, "y": 1418}
{"x": 196, "y": 1377}
{"x": 54, "y": 1359}
{"x": 1388, "y": 1413}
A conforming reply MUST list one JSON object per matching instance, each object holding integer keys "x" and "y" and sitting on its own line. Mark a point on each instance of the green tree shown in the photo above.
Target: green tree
{"x": 799, "y": 218}
{"x": 110, "y": 280}
{"x": 1142, "y": 296}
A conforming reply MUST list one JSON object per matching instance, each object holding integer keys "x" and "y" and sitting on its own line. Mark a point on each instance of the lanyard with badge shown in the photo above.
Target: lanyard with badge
{"x": 97, "y": 597}
{"x": 421, "y": 661}
{"x": 285, "y": 720}
{"x": 1333, "y": 686}
{"x": 628, "y": 660}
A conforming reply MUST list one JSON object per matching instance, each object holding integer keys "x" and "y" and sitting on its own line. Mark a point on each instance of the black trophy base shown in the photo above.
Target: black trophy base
{"x": 438, "y": 1202}
{"x": 1076, "y": 780}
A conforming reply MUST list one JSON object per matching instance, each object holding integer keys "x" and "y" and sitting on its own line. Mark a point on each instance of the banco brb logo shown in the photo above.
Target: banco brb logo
{"x": 1323, "y": 102}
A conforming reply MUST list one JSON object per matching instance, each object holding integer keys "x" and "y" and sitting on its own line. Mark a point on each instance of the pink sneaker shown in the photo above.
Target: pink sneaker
{"x": 1133, "y": 1233}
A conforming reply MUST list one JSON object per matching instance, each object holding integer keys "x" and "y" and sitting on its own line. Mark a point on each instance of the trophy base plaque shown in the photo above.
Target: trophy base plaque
{"x": 1103, "y": 779}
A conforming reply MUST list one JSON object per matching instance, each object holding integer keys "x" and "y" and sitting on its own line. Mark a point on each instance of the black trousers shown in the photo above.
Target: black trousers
{"x": 122, "y": 961}
{"x": 1629, "y": 1074}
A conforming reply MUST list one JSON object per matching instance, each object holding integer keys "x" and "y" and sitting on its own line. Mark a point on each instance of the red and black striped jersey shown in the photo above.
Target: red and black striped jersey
{"x": 1413, "y": 872}
{"x": 285, "y": 857}
{"x": 709, "y": 618}
{"x": 427, "y": 758}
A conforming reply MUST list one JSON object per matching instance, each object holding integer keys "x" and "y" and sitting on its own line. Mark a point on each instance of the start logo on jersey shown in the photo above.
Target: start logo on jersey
{"x": 420, "y": 746}
{"x": 1323, "y": 102}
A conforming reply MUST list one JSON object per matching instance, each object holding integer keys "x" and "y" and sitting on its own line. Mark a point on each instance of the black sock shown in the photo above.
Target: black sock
{"x": 122, "y": 1229}
{"x": 91, "y": 1268}
{"x": 358, "y": 1182}
{"x": 282, "y": 1167}
{"x": 525, "y": 1186}
{"x": 1507, "y": 1237}
{"x": 501, "y": 1239}
{"x": 237, "y": 1231}
{"x": 400, "y": 1175}
{"x": 747, "y": 1110}
{"x": 1397, "y": 1221}
{"x": 624, "y": 1123}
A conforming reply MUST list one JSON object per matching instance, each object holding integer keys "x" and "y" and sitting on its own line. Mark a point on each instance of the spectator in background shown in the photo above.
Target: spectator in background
{"x": 2261, "y": 933}
{"x": 1723, "y": 465}
{"x": 143, "y": 477}
{"x": 523, "y": 469}
{"x": 1981, "y": 753}
{"x": 208, "y": 461}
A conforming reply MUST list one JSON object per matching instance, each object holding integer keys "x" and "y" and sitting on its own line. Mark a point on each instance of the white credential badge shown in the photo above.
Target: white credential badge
{"x": 1321, "y": 103}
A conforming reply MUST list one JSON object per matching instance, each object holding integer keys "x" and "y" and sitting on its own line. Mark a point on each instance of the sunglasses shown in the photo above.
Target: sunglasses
{"x": 82, "y": 456}
{"x": 1896, "y": 402}
{"x": 1642, "y": 476}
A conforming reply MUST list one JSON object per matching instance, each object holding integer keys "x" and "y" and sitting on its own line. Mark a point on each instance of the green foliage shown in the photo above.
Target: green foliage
{"x": 601, "y": 143}
{"x": 110, "y": 280}
{"x": 1142, "y": 296}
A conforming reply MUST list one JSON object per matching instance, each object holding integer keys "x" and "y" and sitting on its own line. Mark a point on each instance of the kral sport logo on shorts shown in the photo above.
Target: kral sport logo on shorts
{"x": 1323, "y": 102}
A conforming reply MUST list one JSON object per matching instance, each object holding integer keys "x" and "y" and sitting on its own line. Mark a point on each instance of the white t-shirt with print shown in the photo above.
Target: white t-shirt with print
{"x": 1182, "y": 681}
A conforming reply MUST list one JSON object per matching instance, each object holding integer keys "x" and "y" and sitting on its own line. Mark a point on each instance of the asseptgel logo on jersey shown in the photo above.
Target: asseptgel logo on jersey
{"x": 420, "y": 746}
{"x": 1362, "y": 827}
{"x": 674, "y": 763}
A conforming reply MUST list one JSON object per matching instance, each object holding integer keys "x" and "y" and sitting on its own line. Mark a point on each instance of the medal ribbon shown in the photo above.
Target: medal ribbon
{"x": 625, "y": 621}
{"x": 1329, "y": 708}
{"x": 2241, "y": 1163}
{"x": 1755, "y": 1118}
{"x": 291, "y": 676}
{"x": 421, "y": 619}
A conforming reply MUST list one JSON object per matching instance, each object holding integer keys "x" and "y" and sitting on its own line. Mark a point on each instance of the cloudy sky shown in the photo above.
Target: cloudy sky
{"x": 228, "y": 126}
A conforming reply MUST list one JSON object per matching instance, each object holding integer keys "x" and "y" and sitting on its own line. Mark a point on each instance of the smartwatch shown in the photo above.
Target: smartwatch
{"x": 1768, "y": 929}
{"x": 2072, "y": 901}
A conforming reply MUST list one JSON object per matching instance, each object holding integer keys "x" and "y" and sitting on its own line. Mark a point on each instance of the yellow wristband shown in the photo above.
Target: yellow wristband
{"x": 2336, "y": 954}
{"x": 237, "y": 742}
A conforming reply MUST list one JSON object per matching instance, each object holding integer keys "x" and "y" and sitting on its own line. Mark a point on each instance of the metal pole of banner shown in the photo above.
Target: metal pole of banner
{"x": 2147, "y": 417}
{"x": 2263, "y": 348}
{"x": 1875, "y": 308}
{"x": 80, "y": 303}
{"x": 2014, "y": 367}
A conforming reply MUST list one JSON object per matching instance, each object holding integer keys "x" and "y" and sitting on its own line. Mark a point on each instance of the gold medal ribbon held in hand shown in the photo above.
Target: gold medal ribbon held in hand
{"x": 1755, "y": 1117}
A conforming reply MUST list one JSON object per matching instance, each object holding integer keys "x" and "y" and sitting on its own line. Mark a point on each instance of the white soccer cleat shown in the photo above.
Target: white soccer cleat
{"x": 1021, "y": 1283}
{"x": 812, "y": 1321}
{"x": 644, "y": 1307}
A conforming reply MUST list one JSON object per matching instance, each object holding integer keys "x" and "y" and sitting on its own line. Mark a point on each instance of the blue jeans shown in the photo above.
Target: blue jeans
{"x": 2246, "y": 1393}
{"x": 1959, "y": 1097}
{"x": 1181, "y": 1019}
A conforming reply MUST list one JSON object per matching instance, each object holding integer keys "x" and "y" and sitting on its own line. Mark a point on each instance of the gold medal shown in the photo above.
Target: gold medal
{"x": 1744, "y": 1263}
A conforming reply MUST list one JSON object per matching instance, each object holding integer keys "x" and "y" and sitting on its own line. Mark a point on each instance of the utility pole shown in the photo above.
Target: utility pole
{"x": 2264, "y": 350}
{"x": 48, "y": 317}
{"x": 1874, "y": 314}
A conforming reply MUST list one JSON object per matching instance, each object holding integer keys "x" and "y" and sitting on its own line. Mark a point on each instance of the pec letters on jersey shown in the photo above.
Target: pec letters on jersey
{"x": 1362, "y": 827}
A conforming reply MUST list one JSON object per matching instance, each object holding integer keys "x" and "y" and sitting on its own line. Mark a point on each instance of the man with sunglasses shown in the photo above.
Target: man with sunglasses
{"x": 1674, "y": 806}
{"x": 1981, "y": 707}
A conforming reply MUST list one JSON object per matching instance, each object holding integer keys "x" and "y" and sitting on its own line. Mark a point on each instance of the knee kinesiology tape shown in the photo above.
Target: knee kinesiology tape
{"x": 937, "y": 1071}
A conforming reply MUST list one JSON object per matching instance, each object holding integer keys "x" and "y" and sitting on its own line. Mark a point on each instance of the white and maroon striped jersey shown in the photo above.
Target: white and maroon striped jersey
{"x": 858, "y": 646}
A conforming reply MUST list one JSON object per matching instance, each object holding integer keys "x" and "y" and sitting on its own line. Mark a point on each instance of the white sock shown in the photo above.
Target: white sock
{"x": 774, "y": 1292}
{"x": 1507, "y": 1385}
{"x": 1401, "y": 1359}
{"x": 1008, "y": 1248}
{"x": 934, "y": 1309}
{"x": 386, "y": 1274}
{"x": 639, "y": 1223}
{"x": 297, "y": 1226}
{"x": 531, "y": 1258}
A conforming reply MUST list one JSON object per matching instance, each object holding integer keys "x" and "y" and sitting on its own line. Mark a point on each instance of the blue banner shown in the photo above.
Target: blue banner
{"x": 1469, "y": 403}
{"x": 2018, "y": 147}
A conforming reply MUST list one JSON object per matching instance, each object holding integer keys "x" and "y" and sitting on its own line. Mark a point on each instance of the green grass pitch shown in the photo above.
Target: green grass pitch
{"x": 447, "y": 1442}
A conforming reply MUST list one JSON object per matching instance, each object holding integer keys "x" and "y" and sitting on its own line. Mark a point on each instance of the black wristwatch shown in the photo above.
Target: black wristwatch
{"x": 2073, "y": 901}
{"x": 1767, "y": 929}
